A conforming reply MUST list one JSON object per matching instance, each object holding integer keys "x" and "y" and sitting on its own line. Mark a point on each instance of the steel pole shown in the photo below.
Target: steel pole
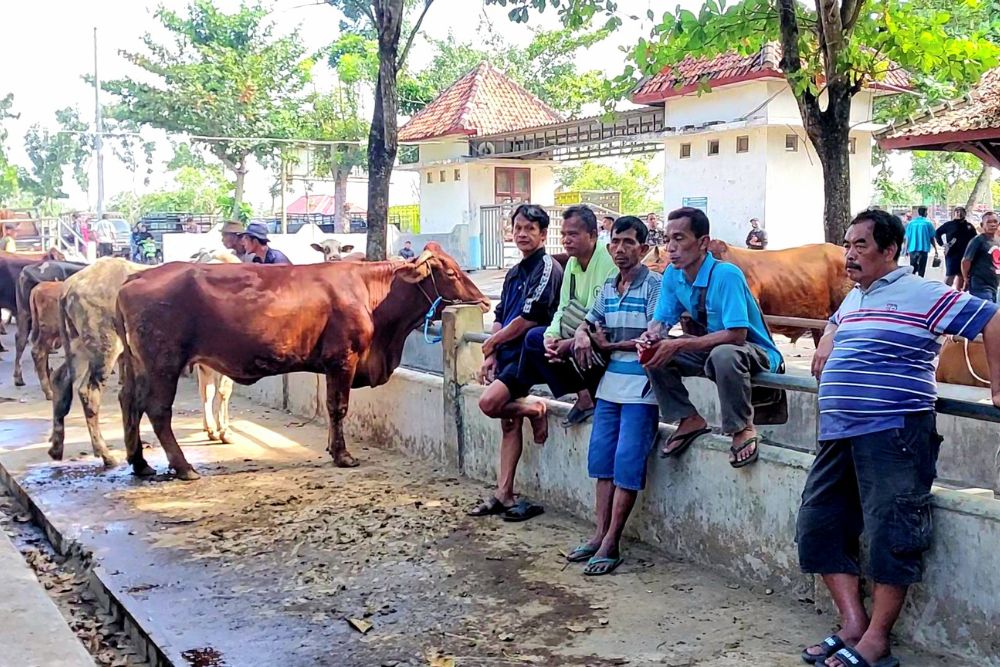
{"x": 99, "y": 134}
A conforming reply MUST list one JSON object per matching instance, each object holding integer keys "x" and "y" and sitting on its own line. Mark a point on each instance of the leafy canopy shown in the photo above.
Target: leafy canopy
{"x": 641, "y": 190}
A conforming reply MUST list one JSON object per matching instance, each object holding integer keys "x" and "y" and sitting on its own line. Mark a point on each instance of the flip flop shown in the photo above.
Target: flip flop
{"x": 830, "y": 645}
{"x": 851, "y": 658}
{"x": 577, "y": 416}
{"x": 598, "y": 567}
{"x": 488, "y": 508}
{"x": 581, "y": 553}
{"x": 685, "y": 442}
{"x": 755, "y": 441}
{"x": 522, "y": 511}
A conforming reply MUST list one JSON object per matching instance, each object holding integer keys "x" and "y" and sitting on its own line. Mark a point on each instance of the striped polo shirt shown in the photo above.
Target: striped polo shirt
{"x": 626, "y": 317}
{"x": 885, "y": 350}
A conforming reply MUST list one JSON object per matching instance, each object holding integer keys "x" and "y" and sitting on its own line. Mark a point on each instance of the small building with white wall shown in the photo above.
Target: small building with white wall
{"x": 740, "y": 151}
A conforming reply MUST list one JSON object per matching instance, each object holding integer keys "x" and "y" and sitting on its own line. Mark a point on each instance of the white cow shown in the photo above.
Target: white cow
{"x": 334, "y": 251}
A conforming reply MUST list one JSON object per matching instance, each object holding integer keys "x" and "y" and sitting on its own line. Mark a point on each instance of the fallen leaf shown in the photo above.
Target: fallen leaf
{"x": 361, "y": 626}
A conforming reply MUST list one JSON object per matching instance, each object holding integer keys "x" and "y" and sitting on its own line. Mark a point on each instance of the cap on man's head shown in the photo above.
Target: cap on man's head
{"x": 256, "y": 230}
{"x": 232, "y": 228}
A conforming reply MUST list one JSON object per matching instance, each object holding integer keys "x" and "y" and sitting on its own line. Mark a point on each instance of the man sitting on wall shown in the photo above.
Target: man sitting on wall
{"x": 627, "y": 417}
{"x": 529, "y": 299}
{"x": 728, "y": 341}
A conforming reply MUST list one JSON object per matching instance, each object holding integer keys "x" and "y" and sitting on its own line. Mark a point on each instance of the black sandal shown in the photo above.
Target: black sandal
{"x": 523, "y": 511}
{"x": 577, "y": 416}
{"x": 830, "y": 645}
{"x": 685, "y": 441}
{"x": 736, "y": 451}
{"x": 849, "y": 657}
{"x": 488, "y": 508}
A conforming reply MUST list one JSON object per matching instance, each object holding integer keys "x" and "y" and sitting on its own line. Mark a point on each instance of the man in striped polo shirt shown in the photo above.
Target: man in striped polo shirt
{"x": 878, "y": 444}
{"x": 626, "y": 417}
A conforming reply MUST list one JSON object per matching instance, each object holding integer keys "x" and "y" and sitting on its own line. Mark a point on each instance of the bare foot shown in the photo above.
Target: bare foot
{"x": 540, "y": 423}
{"x": 687, "y": 425}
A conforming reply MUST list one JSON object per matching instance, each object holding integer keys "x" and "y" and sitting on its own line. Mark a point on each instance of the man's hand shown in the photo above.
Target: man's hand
{"x": 996, "y": 397}
{"x": 556, "y": 350}
{"x": 663, "y": 351}
{"x": 489, "y": 347}
{"x": 600, "y": 338}
{"x": 487, "y": 372}
{"x": 583, "y": 350}
{"x": 823, "y": 351}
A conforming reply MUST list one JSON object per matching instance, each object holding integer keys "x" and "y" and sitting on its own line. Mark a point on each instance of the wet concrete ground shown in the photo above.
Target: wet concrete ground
{"x": 275, "y": 557}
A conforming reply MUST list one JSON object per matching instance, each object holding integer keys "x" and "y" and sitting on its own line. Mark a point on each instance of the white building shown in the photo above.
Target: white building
{"x": 740, "y": 150}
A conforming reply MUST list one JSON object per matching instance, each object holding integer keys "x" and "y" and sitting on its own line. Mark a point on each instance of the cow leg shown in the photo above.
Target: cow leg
{"x": 40, "y": 355}
{"x": 62, "y": 385}
{"x": 20, "y": 342}
{"x": 208, "y": 390}
{"x": 162, "y": 389}
{"x": 338, "y": 394}
{"x": 132, "y": 398}
{"x": 817, "y": 335}
{"x": 91, "y": 389}
{"x": 224, "y": 385}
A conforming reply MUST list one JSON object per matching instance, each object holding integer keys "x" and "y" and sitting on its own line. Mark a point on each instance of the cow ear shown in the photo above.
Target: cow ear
{"x": 317, "y": 247}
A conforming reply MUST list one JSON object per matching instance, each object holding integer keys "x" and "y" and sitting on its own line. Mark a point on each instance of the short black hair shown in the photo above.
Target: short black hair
{"x": 609, "y": 217}
{"x": 407, "y": 241}
{"x": 961, "y": 212}
{"x": 697, "y": 217}
{"x": 627, "y": 222}
{"x": 886, "y": 228}
{"x": 585, "y": 215}
{"x": 921, "y": 210}
{"x": 532, "y": 213}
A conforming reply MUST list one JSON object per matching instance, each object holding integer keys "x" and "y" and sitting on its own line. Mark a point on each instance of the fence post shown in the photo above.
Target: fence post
{"x": 461, "y": 362}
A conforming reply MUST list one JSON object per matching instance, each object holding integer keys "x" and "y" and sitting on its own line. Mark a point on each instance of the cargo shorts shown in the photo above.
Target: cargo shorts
{"x": 877, "y": 487}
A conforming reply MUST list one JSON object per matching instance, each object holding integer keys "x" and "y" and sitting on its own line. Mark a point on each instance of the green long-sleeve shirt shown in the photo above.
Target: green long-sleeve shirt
{"x": 588, "y": 284}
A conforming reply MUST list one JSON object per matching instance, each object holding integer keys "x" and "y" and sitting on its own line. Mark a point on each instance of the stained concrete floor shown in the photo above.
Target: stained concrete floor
{"x": 275, "y": 557}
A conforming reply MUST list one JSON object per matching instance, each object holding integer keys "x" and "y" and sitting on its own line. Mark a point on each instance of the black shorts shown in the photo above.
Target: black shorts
{"x": 509, "y": 372}
{"x": 876, "y": 485}
{"x": 952, "y": 265}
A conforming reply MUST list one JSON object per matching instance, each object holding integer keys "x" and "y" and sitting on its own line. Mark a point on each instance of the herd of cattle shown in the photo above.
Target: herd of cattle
{"x": 348, "y": 320}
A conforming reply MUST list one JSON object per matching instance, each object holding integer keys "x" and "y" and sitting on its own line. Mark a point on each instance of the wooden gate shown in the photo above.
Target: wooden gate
{"x": 492, "y": 222}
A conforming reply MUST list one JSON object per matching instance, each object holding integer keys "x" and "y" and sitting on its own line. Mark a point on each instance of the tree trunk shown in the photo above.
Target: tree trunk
{"x": 241, "y": 174}
{"x": 982, "y": 191}
{"x": 830, "y": 136}
{"x": 340, "y": 174}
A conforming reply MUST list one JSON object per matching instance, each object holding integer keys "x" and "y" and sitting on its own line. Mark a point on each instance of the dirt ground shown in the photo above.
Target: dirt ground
{"x": 275, "y": 557}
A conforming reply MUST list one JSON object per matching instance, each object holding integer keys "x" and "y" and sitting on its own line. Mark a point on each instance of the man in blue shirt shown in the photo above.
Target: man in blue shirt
{"x": 256, "y": 244}
{"x": 730, "y": 341}
{"x": 920, "y": 240}
{"x": 878, "y": 443}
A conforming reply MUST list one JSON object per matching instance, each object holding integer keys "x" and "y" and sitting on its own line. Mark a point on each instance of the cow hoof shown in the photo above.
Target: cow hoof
{"x": 109, "y": 462}
{"x": 18, "y": 382}
{"x": 143, "y": 470}
{"x": 188, "y": 475}
{"x": 212, "y": 435}
{"x": 55, "y": 453}
{"x": 48, "y": 396}
{"x": 226, "y": 438}
{"x": 345, "y": 461}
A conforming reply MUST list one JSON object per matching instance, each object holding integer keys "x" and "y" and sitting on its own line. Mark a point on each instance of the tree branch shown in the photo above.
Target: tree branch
{"x": 791, "y": 58}
{"x": 849, "y": 13}
{"x": 413, "y": 33}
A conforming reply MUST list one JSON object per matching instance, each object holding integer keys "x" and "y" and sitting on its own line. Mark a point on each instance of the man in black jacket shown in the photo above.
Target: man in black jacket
{"x": 955, "y": 236}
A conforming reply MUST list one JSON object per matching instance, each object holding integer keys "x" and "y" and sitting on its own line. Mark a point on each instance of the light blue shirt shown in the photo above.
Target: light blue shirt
{"x": 919, "y": 233}
{"x": 729, "y": 303}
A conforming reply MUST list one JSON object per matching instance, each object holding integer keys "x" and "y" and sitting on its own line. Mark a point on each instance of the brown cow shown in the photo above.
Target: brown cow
{"x": 347, "y": 320}
{"x": 807, "y": 281}
{"x": 44, "y": 302}
{"x": 963, "y": 362}
{"x": 11, "y": 265}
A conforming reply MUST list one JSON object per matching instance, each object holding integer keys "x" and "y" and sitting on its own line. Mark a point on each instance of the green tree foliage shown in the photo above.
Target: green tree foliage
{"x": 935, "y": 176}
{"x": 50, "y": 153}
{"x": 830, "y": 50}
{"x": 218, "y": 75}
{"x": 9, "y": 186}
{"x": 198, "y": 189}
{"x": 641, "y": 191}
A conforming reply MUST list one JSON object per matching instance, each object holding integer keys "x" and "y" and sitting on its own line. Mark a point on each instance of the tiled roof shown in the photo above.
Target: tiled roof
{"x": 685, "y": 76}
{"x": 484, "y": 101}
{"x": 980, "y": 110}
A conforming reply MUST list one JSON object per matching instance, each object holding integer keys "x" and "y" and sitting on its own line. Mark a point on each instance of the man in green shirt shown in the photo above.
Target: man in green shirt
{"x": 548, "y": 351}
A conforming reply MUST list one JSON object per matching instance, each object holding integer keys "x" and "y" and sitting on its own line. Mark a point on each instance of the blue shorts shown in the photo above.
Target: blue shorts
{"x": 620, "y": 441}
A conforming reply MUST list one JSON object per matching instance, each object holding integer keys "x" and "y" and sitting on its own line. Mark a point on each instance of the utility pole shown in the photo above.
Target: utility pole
{"x": 99, "y": 134}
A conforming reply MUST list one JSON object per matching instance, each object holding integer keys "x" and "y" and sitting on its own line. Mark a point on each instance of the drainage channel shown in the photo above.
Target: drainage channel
{"x": 104, "y": 628}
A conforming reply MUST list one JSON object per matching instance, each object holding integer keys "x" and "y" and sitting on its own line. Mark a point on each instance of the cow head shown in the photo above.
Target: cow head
{"x": 656, "y": 259}
{"x": 329, "y": 248}
{"x": 719, "y": 248}
{"x": 438, "y": 275}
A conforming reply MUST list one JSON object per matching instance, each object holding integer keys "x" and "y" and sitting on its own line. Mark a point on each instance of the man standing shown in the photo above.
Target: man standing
{"x": 231, "y": 240}
{"x": 757, "y": 238}
{"x": 627, "y": 417}
{"x": 730, "y": 342}
{"x": 406, "y": 252}
{"x": 548, "y": 350}
{"x": 919, "y": 236}
{"x": 8, "y": 242}
{"x": 104, "y": 232}
{"x": 954, "y": 236}
{"x": 981, "y": 262}
{"x": 255, "y": 243}
{"x": 529, "y": 299}
{"x": 878, "y": 444}
{"x": 656, "y": 237}
{"x": 604, "y": 233}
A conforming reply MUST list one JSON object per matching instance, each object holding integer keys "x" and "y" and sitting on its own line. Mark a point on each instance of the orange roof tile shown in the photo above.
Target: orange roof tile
{"x": 484, "y": 101}
{"x": 978, "y": 111}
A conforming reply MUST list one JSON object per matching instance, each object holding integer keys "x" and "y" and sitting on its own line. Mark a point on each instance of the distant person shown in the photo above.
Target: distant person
{"x": 190, "y": 226}
{"x": 406, "y": 252}
{"x": 231, "y": 240}
{"x": 981, "y": 262}
{"x": 104, "y": 231}
{"x": 757, "y": 238}
{"x": 656, "y": 235}
{"x": 139, "y": 236}
{"x": 954, "y": 237}
{"x": 604, "y": 233}
{"x": 8, "y": 242}
{"x": 919, "y": 238}
{"x": 255, "y": 243}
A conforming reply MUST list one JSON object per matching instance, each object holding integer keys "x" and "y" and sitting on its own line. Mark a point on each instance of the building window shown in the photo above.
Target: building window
{"x": 713, "y": 146}
{"x": 441, "y": 176}
{"x": 743, "y": 144}
{"x": 512, "y": 185}
{"x": 458, "y": 174}
{"x": 685, "y": 150}
{"x": 430, "y": 176}
{"x": 852, "y": 146}
{"x": 791, "y": 143}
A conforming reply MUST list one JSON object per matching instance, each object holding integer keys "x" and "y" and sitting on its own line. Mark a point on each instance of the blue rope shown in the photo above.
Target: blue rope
{"x": 430, "y": 340}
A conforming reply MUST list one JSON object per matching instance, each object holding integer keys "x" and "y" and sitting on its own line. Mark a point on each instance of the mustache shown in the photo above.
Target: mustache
{"x": 851, "y": 265}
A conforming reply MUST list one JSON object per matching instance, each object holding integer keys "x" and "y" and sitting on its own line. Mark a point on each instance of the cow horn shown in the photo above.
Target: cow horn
{"x": 425, "y": 256}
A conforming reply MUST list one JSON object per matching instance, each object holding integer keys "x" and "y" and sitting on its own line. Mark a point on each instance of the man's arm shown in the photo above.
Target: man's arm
{"x": 517, "y": 328}
{"x": 763, "y": 240}
{"x": 991, "y": 341}
{"x": 666, "y": 349}
{"x": 823, "y": 350}
{"x": 555, "y": 329}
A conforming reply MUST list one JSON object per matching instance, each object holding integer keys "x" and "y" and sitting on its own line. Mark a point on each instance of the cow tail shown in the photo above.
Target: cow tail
{"x": 66, "y": 329}
{"x": 34, "y": 333}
